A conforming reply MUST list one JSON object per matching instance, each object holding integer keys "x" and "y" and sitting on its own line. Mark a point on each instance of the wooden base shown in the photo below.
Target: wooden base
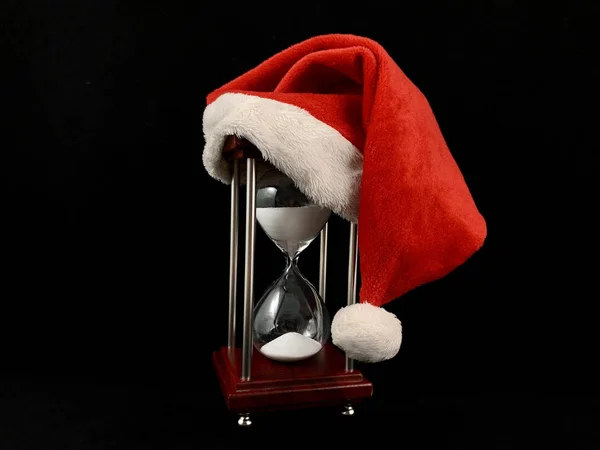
{"x": 318, "y": 381}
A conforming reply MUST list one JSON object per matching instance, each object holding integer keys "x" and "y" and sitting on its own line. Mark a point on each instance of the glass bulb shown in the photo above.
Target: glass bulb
{"x": 291, "y": 321}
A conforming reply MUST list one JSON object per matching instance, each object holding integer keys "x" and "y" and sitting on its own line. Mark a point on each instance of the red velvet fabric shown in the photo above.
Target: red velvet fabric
{"x": 417, "y": 218}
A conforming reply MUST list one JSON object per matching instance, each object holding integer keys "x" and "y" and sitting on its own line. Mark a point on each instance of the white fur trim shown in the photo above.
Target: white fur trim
{"x": 366, "y": 332}
{"x": 325, "y": 166}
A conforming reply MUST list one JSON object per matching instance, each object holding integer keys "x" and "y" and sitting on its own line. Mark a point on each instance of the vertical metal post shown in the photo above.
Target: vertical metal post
{"x": 247, "y": 344}
{"x": 323, "y": 262}
{"x": 352, "y": 277}
{"x": 233, "y": 252}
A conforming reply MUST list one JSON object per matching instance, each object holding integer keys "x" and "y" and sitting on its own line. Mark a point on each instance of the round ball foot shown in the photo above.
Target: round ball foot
{"x": 348, "y": 410}
{"x": 244, "y": 420}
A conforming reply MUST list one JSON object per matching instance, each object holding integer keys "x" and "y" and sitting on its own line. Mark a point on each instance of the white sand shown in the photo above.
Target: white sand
{"x": 292, "y": 224}
{"x": 291, "y": 347}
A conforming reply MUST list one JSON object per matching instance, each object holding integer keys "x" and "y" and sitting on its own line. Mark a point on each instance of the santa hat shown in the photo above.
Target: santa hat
{"x": 339, "y": 117}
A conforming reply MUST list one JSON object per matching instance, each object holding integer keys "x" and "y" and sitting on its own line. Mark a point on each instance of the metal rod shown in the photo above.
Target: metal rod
{"x": 352, "y": 277}
{"x": 323, "y": 262}
{"x": 233, "y": 252}
{"x": 355, "y": 277}
{"x": 247, "y": 344}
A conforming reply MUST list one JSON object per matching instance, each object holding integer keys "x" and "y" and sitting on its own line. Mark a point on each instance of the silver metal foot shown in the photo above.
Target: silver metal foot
{"x": 348, "y": 410}
{"x": 244, "y": 420}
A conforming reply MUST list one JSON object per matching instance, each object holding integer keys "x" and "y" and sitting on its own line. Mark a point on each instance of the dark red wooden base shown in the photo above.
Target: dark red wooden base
{"x": 319, "y": 381}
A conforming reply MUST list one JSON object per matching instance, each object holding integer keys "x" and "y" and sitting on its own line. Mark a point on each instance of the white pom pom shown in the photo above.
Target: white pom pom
{"x": 366, "y": 332}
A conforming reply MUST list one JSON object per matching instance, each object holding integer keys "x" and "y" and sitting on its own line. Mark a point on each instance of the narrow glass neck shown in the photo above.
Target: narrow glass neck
{"x": 291, "y": 261}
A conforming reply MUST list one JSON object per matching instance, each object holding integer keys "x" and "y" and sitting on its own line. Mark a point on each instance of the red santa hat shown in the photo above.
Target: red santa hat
{"x": 338, "y": 116}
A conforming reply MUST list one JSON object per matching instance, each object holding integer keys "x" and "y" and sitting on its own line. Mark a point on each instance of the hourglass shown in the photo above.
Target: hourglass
{"x": 291, "y": 321}
{"x": 286, "y": 359}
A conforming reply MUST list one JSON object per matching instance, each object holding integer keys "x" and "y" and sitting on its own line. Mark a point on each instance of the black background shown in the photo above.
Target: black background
{"x": 115, "y": 240}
